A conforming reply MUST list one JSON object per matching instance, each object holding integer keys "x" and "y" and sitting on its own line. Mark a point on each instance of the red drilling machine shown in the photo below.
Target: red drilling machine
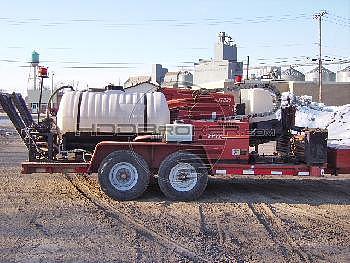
{"x": 178, "y": 136}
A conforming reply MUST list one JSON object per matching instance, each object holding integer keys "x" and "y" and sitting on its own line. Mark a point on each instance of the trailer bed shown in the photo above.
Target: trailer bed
{"x": 338, "y": 163}
{"x": 229, "y": 169}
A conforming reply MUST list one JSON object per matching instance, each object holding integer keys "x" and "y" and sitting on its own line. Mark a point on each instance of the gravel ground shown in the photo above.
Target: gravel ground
{"x": 57, "y": 218}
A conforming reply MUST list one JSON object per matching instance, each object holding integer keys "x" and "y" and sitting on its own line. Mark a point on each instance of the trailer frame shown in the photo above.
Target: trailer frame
{"x": 155, "y": 152}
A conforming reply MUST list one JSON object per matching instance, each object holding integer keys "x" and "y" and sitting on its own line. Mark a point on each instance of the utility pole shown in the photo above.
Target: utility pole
{"x": 319, "y": 17}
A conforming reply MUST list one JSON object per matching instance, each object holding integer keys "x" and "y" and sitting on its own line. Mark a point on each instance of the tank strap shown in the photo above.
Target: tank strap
{"x": 78, "y": 114}
{"x": 145, "y": 113}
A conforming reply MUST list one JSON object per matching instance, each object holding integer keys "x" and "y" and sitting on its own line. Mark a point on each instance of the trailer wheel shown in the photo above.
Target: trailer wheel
{"x": 182, "y": 176}
{"x": 124, "y": 175}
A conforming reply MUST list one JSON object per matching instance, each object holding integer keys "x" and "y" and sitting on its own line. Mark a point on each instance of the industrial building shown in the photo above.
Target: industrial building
{"x": 142, "y": 87}
{"x": 158, "y": 73}
{"x": 266, "y": 72}
{"x": 335, "y": 87}
{"x": 135, "y": 80}
{"x": 327, "y": 75}
{"x": 160, "y": 77}
{"x": 222, "y": 69}
{"x": 292, "y": 74}
{"x": 179, "y": 79}
{"x": 333, "y": 93}
{"x": 344, "y": 75}
{"x": 32, "y": 99}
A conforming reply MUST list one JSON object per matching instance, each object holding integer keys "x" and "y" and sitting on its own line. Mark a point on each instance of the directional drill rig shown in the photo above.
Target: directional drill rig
{"x": 179, "y": 136}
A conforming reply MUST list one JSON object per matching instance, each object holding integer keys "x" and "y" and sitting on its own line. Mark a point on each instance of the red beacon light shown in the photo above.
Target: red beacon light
{"x": 238, "y": 79}
{"x": 43, "y": 72}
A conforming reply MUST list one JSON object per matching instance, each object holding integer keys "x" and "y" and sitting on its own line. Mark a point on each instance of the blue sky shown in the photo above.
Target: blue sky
{"x": 103, "y": 33}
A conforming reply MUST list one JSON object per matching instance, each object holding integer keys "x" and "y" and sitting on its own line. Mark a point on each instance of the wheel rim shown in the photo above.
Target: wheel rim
{"x": 183, "y": 177}
{"x": 123, "y": 176}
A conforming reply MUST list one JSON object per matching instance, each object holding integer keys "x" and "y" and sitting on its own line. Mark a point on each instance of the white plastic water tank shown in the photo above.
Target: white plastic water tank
{"x": 111, "y": 111}
{"x": 256, "y": 100}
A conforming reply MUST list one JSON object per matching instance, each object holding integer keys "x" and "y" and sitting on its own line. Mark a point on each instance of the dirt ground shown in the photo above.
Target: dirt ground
{"x": 57, "y": 218}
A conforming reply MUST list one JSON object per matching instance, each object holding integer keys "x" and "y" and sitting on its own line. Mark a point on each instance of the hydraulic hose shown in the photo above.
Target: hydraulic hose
{"x": 53, "y": 94}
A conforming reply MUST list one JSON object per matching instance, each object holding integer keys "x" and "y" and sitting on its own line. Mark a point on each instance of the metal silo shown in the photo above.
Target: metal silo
{"x": 292, "y": 74}
{"x": 344, "y": 75}
{"x": 327, "y": 75}
{"x": 180, "y": 79}
{"x": 185, "y": 79}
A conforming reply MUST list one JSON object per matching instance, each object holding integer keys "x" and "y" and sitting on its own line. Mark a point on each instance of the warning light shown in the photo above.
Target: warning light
{"x": 43, "y": 72}
{"x": 238, "y": 79}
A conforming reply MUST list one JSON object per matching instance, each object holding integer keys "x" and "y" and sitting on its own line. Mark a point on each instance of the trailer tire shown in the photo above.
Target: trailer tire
{"x": 124, "y": 175}
{"x": 182, "y": 176}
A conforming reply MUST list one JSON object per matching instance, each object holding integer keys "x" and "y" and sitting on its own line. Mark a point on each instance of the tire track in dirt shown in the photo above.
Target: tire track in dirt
{"x": 318, "y": 217}
{"x": 276, "y": 231}
{"x": 294, "y": 210}
{"x": 311, "y": 256}
{"x": 280, "y": 226}
{"x": 209, "y": 236}
{"x": 205, "y": 236}
{"x": 114, "y": 213}
{"x": 208, "y": 243}
{"x": 202, "y": 219}
{"x": 215, "y": 231}
{"x": 275, "y": 226}
{"x": 133, "y": 210}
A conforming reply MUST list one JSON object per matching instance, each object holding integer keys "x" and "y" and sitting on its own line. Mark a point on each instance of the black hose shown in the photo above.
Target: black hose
{"x": 40, "y": 97}
{"x": 54, "y": 93}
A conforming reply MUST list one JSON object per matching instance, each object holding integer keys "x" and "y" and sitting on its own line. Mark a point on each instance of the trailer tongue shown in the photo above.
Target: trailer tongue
{"x": 64, "y": 168}
{"x": 180, "y": 135}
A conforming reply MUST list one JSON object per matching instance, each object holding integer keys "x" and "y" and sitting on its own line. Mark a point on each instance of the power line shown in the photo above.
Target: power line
{"x": 169, "y": 22}
{"x": 338, "y": 20}
{"x": 337, "y": 23}
{"x": 345, "y": 19}
{"x": 98, "y": 67}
